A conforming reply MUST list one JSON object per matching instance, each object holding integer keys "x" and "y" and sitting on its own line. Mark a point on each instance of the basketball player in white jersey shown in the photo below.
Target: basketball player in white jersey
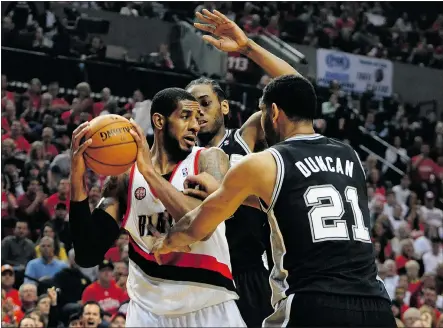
{"x": 191, "y": 289}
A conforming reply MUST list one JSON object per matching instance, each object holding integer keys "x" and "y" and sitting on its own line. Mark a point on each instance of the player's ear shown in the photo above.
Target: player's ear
{"x": 225, "y": 107}
{"x": 158, "y": 120}
{"x": 274, "y": 112}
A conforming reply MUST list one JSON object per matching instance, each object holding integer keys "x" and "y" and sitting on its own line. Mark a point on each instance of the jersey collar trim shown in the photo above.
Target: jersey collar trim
{"x": 227, "y": 133}
{"x": 306, "y": 137}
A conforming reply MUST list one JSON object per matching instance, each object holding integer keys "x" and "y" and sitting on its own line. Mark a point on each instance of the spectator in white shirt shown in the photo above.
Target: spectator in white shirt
{"x": 391, "y": 279}
{"x": 431, "y": 215}
{"x": 402, "y": 191}
{"x": 403, "y": 24}
{"x": 396, "y": 219}
{"x": 432, "y": 259}
{"x": 328, "y": 108}
{"x": 392, "y": 154}
{"x": 422, "y": 244}
{"x": 390, "y": 204}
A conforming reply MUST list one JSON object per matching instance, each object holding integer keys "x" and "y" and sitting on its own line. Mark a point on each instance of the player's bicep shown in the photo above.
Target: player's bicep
{"x": 215, "y": 162}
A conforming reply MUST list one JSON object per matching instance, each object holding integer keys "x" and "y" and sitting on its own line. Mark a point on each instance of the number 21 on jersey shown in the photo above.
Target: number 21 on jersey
{"x": 334, "y": 211}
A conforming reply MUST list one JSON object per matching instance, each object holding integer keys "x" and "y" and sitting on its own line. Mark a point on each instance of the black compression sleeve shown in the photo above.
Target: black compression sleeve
{"x": 92, "y": 234}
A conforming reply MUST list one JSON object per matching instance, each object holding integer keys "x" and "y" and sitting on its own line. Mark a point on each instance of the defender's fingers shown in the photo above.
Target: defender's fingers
{"x": 205, "y": 27}
{"x": 204, "y": 18}
{"x": 215, "y": 18}
{"x": 220, "y": 15}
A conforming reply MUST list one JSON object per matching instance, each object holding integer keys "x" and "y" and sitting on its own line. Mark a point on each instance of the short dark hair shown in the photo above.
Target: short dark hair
{"x": 22, "y": 220}
{"x": 214, "y": 84}
{"x": 92, "y": 303}
{"x": 293, "y": 94}
{"x": 165, "y": 102}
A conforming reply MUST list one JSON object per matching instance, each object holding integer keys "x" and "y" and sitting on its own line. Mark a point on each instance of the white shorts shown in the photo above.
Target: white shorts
{"x": 225, "y": 314}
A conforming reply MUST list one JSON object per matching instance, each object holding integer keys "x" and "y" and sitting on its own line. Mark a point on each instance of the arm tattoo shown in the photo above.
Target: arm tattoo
{"x": 246, "y": 49}
{"x": 214, "y": 162}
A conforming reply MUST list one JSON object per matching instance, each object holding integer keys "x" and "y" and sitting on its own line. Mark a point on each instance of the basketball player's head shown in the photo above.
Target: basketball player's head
{"x": 175, "y": 114}
{"x": 288, "y": 105}
{"x": 213, "y": 105}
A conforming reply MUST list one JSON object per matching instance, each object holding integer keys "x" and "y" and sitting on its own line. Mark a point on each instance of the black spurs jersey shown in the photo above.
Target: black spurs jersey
{"x": 319, "y": 221}
{"x": 246, "y": 230}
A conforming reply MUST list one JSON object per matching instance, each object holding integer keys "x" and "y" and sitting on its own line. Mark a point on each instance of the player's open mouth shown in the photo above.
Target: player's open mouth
{"x": 191, "y": 140}
{"x": 202, "y": 123}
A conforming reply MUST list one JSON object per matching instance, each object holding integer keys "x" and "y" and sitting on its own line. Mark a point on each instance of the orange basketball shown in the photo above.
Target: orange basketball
{"x": 113, "y": 149}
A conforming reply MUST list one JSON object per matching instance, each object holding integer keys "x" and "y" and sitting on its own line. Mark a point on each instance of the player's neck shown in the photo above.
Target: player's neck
{"x": 161, "y": 160}
{"x": 216, "y": 139}
{"x": 298, "y": 130}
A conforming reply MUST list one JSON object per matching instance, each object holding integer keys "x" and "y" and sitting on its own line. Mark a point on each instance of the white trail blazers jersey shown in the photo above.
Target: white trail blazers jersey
{"x": 185, "y": 282}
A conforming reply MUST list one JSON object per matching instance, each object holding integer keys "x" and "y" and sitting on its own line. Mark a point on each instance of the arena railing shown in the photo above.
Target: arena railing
{"x": 381, "y": 159}
{"x": 384, "y": 143}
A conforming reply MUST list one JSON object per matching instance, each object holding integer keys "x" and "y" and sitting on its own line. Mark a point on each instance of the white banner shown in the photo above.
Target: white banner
{"x": 354, "y": 73}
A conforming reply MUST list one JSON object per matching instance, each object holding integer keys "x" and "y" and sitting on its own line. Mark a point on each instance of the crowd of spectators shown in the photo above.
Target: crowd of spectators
{"x": 42, "y": 286}
{"x": 376, "y": 29}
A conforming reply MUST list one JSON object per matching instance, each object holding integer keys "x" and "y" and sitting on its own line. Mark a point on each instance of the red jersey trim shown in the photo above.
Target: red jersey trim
{"x": 170, "y": 179}
{"x": 197, "y": 156}
{"x": 129, "y": 200}
{"x": 187, "y": 260}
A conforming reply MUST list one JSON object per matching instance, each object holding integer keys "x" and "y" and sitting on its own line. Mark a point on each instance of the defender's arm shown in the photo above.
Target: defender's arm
{"x": 254, "y": 175}
{"x": 212, "y": 161}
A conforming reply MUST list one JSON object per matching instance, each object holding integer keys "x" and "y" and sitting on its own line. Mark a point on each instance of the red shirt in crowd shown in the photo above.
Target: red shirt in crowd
{"x": 426, "y": 167}
{"x": 5, "y": 204}
{"x": 98, "y": 108}
{"x": 8, "y": 96}
{"x": 113, "y": 254}
{"x": 20, "y": 143}
{"x": 35, "y": 99}
{"x": 348, "y": 24}
{"x": 400, "y": 261}
{"x": 51, "y": 149}
{"x": 108, "y": 298}
{"x": 53, "y": 200}
{"x": 413, "y": 286}
{"x": 59, "y": 102}
{"x": 7, "y": 127}
{"x": 15, "y": 296}
{"x": 66, "y": 115}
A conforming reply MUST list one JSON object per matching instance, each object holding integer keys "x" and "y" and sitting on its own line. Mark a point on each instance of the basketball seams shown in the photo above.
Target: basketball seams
{"x": 111, "y": 145}
{"x": 106, "y": 164}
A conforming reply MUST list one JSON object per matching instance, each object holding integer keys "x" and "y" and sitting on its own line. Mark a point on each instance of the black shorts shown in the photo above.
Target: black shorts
{"x": 327, "y": 310}
{"x": 255, "y": 296}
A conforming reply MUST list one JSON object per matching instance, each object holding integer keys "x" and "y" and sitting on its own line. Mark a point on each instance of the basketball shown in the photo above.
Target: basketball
{"x": 113, "y": 149}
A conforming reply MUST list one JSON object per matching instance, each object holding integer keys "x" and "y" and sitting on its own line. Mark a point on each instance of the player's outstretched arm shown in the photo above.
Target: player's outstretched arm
{"x": 254, "y": 175}
{"x": 229, "y": 37}
{"x": 92, "y": 234}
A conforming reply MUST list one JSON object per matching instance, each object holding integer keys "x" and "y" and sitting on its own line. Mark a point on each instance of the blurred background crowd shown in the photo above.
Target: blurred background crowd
{"x": 66, "y": 63}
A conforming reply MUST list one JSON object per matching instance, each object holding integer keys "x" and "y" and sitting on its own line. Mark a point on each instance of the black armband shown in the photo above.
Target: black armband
{"x": 92, "y": 234}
